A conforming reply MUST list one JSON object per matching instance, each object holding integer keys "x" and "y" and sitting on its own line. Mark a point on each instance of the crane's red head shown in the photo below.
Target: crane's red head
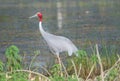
{"x": 39, "y": 16}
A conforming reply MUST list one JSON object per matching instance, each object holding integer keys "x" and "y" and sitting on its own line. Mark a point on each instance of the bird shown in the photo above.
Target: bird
{"x": 56, "y": 44}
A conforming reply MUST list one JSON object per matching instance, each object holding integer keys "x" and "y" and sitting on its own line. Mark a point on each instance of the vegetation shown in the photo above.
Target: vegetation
{"x": 82, "y": 68}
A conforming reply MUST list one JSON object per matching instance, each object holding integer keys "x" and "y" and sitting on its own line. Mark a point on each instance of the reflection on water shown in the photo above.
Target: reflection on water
{"x": 85, "y": 23}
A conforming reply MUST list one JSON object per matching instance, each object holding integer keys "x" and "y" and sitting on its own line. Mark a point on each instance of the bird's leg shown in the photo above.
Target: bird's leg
{"x": 59, "y": 60}
{"x": 60, "y": 63}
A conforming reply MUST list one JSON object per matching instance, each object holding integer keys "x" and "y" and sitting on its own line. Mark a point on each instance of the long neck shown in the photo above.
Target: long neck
{"x": 41, "y": 29}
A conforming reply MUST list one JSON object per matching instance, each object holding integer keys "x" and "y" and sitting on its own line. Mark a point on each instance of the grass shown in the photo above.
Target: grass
{"x": 82, "y": 68}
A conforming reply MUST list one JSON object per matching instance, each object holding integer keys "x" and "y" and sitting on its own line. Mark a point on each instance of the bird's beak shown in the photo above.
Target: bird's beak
{"x": 33, "y": 16}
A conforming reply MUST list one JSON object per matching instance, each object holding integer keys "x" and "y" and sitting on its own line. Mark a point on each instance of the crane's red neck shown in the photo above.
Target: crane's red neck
{"x": 39, "y": 16}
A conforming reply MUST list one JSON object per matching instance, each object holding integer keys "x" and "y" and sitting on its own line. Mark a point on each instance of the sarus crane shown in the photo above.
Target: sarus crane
{"x": 56, "y": 44}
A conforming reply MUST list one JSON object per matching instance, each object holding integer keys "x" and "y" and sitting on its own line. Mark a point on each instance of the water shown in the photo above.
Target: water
{"x": 83, "y": 23}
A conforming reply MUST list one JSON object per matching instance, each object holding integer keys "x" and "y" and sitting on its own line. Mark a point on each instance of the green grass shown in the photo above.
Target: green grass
{"x": 85, "y": 67}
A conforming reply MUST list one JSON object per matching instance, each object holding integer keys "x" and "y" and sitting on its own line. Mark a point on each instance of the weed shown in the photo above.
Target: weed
{"x": 1, "y": 66}
{"x": 13, "y": 59}
{"x": 80, "y": 68}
